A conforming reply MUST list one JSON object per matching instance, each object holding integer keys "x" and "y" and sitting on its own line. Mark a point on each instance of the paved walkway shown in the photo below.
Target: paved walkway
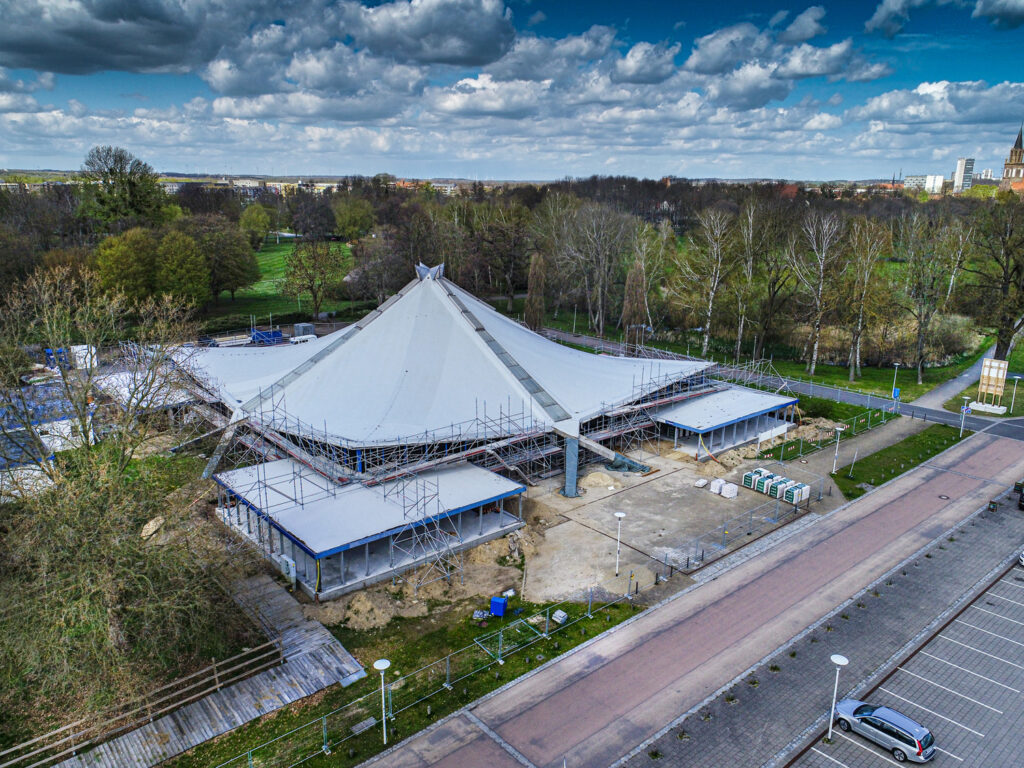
{"x": 314, "y": 659}
{"x": 592, "y": 706}
{"x": 935, "y": 397}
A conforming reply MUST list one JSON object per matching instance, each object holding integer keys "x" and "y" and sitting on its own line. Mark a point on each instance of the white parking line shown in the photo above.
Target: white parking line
{"x": 987, "y": 632}
{"x": 978, "y": 650}
{"x": 969, "y": 672}
{"x": 829, "y": 757}
{"x": 949, "y": 690}
{"x": 937, "y": 749}
{"x": 998, "y": 616}
{"x": 1011, "y": 584}
{"x": 930, "y": 712}
{"x": 990, "y": 594}
{"x": 866, "y": 749}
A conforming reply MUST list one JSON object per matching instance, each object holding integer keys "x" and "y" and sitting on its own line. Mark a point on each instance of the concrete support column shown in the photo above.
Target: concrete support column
{"x": 572, "y": 463}
{"x": 520, "y": 507}
{"x": 391, "y": 551}
{"x": 501, "y": 513}
{"x": 480, "y": 518}
{"x": 734, "y": 427}
{"x": 366, "y": 550}
{"x": 461, "y": 514}
{"x": 341, "y": 556}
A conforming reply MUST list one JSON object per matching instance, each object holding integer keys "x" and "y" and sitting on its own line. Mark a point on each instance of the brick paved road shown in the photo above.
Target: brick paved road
{"x": 592, "y": 706}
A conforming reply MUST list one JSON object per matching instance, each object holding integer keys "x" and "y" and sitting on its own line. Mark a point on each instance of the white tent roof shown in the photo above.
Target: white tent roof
{"x": 432, "y": 357}
{"x": 719, "y": 409}
{"x": 329, "y": 522}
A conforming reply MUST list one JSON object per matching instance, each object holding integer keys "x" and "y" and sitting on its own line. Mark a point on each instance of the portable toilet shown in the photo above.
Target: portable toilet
{"x": 793, "y": 493}
{"x": 778, "y": 486}
{"x": 751, "y": 477}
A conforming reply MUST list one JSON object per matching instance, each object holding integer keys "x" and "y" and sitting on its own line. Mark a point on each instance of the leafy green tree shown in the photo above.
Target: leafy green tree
{"x": 353, "y": 217}
{"x": 998, "y": 271}
{"x": 127, "y": 263}
{"x": 181, "y": 269}
{"x": 255, "y": 222}
{"x": 122, "y": 190}
{"x": 315, "y": 268}
{"x": 231, "y": 262}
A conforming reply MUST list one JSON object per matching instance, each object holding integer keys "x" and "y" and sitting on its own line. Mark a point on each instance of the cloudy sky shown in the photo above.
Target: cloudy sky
{"x": 514, "y": 89}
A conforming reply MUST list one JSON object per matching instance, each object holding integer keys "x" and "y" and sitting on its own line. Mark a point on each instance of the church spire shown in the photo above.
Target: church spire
{"x": 1020, "y": 135}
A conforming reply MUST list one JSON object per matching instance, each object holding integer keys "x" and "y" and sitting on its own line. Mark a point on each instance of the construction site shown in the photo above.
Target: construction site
{"x": 385, "y": 450}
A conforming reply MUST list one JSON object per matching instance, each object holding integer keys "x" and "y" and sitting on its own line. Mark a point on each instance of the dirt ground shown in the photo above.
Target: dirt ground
{"x": 568, "y": 545}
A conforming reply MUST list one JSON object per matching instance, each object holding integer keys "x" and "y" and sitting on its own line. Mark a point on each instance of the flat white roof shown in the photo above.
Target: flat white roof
{"x": 719, "y": 409}
{"x": 324, "y": 518}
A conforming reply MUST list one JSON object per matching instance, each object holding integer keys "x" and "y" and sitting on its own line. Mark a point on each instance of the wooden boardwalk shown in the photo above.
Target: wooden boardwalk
{"x": 314, "y": 660}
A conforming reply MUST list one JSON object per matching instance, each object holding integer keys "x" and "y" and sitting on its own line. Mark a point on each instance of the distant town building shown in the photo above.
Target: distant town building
{"x": 1013, "y": 169}
{"x": 930, "y": 183}
{"x": 964, "y": 174}
{"x": 986, "y": 174}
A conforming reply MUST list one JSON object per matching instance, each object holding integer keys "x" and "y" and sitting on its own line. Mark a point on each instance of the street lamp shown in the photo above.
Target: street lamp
{"x": 835, "y": 460}
{"x": 894, "y": 380}
{"x": 840, "y": 661}
{"x": 618, "y": 539}
{"x": 381, "y": 665}
{"x": 1014, "y": 398}
{"x": 963, "y": 414}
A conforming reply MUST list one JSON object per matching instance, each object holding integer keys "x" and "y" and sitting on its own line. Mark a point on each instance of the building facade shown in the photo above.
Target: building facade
{"x": 1013, "y": 169}
{"x": 964, "y": 174}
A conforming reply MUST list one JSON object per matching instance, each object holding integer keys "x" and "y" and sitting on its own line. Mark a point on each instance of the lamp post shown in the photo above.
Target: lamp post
{"x": 618, "y": 539}
{"x": 840, "y": 661}
{"x": 894, "y": 380}
{"x": 963, "y": 414}
{"x": 1014, "y": 398}
{"x": 381, "y": 665}
{"x": 835, "y": 460}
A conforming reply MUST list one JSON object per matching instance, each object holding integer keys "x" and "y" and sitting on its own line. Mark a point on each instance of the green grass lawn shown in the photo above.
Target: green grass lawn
{"x": 264, "y": 300}
{"x": 898, "y": 458}
{"x": 409, "y": 644}
{"x": 954, "y": 403}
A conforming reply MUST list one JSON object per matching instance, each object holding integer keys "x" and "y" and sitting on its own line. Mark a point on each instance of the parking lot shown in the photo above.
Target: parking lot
{"x": 965, "y": 685}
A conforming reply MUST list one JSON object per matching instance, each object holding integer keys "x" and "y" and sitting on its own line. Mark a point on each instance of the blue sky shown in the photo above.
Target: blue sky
{"x": 514, "y": 89}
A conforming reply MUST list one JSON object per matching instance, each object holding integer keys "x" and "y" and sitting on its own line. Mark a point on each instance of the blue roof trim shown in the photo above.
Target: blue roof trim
{"x": 366, "y": 540}
{"x": 391, "y": 531}
{"x": 270, "y": 521}
{"x": 751, "y": 415}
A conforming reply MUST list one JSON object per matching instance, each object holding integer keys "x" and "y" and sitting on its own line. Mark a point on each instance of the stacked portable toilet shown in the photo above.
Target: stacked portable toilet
{"x": 762, "y": 483}
{"x": 778, "y": 486}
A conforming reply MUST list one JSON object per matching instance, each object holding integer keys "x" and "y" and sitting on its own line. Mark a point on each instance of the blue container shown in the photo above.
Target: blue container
{"x": 498, "y": 606}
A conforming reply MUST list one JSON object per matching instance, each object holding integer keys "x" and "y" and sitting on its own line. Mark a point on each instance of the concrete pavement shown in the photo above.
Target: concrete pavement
{"x": 594, "y": 705}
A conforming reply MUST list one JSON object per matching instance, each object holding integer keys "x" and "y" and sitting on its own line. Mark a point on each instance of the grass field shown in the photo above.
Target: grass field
{"x": 264, "y": 299}
{"x": 409, "y": 644}
{"x": 889, "y": 462}
{"x": 954, "y": 403}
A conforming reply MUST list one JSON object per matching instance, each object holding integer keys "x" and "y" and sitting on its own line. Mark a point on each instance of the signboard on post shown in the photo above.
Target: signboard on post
{"x": 993, "y": 379}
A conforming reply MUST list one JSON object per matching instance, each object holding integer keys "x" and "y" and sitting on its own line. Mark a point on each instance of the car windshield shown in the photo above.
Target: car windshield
{"x": 863, "y": 710}
{"x": 927, "y": 741}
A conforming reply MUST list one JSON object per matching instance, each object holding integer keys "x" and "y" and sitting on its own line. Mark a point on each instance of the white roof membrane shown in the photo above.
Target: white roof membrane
{"x": 434, "y": 357}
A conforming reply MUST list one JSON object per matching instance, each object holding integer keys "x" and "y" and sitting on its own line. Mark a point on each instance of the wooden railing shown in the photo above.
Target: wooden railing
{"x": 60, "y": 744}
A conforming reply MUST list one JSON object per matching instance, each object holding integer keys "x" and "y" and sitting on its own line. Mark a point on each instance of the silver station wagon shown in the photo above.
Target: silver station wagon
{"x": 906, "y": 739}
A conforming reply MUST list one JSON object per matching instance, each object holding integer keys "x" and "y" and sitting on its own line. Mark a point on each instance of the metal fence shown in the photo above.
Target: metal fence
{"x": 797, "y": 447}
{"x": 338, "y": 729}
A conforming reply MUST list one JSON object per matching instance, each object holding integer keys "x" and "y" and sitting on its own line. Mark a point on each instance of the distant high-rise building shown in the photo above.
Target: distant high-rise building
{"x": 930, "y": 183}
{"x": 1013, "y": 169}
{"x": 963, "y": 176}
{"x": 986, "y": 175}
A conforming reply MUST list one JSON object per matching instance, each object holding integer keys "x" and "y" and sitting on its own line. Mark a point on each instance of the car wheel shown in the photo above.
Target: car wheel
{"x": 899, "y": 756}
{"x": 844, "y": 725}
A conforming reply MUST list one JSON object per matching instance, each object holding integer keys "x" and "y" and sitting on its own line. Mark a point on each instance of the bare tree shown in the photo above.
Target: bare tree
{"x": 753, "y": 238}
{"x": 927, "y": 273}
{"x": 535, "y": 294}
{"x": 868, "y": 241}
{"x": 814, "y": 267}
{"x": 701, "y": 271}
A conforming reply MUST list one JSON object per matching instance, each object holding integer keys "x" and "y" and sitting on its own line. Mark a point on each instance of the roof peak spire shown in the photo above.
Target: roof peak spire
{"x": 423, "y": 272}
{"x": 1020, "y": 135}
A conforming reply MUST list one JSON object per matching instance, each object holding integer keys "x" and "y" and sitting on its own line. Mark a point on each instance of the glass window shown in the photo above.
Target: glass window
{"x": 863, "y": 710}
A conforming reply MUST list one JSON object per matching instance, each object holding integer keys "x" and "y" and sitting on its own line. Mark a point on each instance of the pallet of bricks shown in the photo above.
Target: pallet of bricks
{"x": 776, "y": 486}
